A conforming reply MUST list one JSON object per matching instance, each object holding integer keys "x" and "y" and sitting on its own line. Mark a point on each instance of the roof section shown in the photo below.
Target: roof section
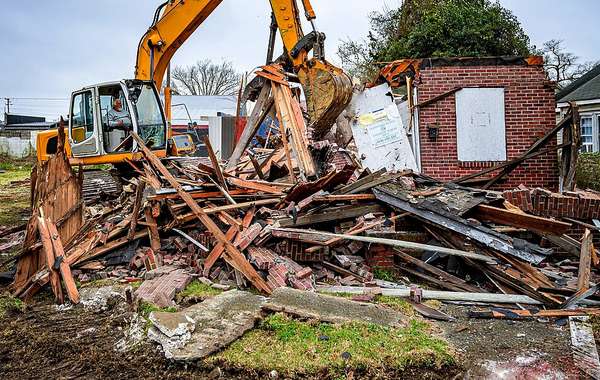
{"x": 585, "y": 88}
{"x": 395, "y": 72}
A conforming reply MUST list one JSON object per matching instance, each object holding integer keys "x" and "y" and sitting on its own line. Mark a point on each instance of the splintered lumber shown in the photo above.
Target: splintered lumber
{"x": 355, "y": 231}
{"x": 65, "y": 269}
{"x": 393, "y": 243}
{"x": 137, "y": 204}
{"x": 232, "y": 255}
{"x": 263, "y": 105}
{"x": 254, "y": 185}
{"x": 585, "y": 261}
{"x": 583, "y": 344}
{"x": 344, "y": 198}
{"x": 497, "y": 313}
{"x": 484, "y": 236}
{"x": 438, "y": 295}
{"x": 215, "y": 163}
{"x": 445, "y": 276}
{"x": 291, "y": 119}
{"x": 49, "y": 254}
{"x": 520, "y": 220}
{"x": 338, "y": 213}
{"x": 152, "y": 229}
{"x": 238, "y": 206}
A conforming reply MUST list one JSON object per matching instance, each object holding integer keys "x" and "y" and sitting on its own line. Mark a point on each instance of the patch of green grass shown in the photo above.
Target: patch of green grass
{"x": 385, "y": 275}
{"x": 294, "y": 348}
{"x": 197, "y": 289}
{"x": 9, "y": 303}
{"x": 145, "y": 308}
{"x": 14, "y": 197}
{"x": 397, "y": 304}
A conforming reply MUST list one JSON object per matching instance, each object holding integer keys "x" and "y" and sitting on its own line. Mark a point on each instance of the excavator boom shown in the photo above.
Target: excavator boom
{"x": 327, "y": 88}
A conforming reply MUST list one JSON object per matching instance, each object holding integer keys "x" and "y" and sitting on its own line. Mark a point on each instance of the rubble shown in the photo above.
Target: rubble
{"x": 207, "y": 327}
{"x": 284, "y": 220}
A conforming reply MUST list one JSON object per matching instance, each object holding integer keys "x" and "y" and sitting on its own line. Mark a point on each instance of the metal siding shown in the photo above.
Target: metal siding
{"x": 480, "y": 124}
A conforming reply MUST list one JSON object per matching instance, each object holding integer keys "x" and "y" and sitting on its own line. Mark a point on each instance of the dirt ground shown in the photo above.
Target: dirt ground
{"x": 48, "y": 342}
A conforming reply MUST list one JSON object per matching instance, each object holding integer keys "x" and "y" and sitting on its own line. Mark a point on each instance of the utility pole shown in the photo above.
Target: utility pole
{"x": 7, "y": 105}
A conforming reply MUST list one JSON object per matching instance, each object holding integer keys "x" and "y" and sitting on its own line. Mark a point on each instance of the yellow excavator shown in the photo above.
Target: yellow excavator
{"x": 102, "y": 115}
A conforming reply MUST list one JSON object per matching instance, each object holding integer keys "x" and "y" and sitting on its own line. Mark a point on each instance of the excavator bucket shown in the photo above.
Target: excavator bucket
{"x": 328, "y": 91}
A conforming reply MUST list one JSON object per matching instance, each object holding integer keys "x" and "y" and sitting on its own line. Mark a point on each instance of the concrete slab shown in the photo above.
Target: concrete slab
{"x": 329, "y": 308}
{"x": 207, "y": 327}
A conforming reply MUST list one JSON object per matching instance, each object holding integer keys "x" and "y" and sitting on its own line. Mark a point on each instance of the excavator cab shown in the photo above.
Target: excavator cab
{"x": 100, "y": 119}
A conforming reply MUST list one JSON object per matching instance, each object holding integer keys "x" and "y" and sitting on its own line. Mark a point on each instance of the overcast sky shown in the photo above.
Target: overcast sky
{"x": 50, "y": 48}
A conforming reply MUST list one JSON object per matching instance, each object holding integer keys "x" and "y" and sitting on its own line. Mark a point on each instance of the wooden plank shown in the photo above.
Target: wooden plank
{"x": 152, "y": 229}
{"x": 263, "y": 106}
{"x": 137, "y": 204}
{"x": 356, "y": 230}
{"x": 529, "y": 222}
{"x": 328, "y": 215}
{"x": 445, "y": 276}
{"x": 65, "y": 269}
{"x": 531, "y": 314}
{"x": 49, "y": 254}
{"x": 215, "y": 163}
{"x": 232, "y": 255}
{"x": 218, "y": 250}
{"x": 585, "y": 261}
{"x": 239, "y": 206}
{"x": 344, "y": 198}
{"x": 204, "y": 194}
{"x": 254, "y": 185}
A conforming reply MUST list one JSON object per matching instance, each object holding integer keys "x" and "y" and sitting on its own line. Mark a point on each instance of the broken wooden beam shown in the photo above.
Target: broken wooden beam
{"x": 233, "y": 256}
{"x": 520, "y": 220}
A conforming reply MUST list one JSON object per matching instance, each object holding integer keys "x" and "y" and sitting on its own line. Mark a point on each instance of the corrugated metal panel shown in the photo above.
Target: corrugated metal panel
{"x": 480, "y": 124}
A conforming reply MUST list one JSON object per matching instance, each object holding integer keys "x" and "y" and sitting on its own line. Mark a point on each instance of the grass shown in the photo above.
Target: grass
{"x": 293, "y": 348}
{"x": 397, "y": 304}
{"x": 145, "y": 308}
{"x": 8, "y": 304}
{"x": 14, "y": 198}
{"x": 588, "y": 171}
{"x": 385, "y": 275}
{"x": 198, "y": 290}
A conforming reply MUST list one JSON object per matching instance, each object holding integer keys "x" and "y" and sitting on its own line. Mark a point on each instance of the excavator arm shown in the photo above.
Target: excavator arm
{"x": 327, "y": 88}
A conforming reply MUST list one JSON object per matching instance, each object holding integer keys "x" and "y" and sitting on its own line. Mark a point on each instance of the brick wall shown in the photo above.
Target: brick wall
{"x": 380, "y": 257}
{"x": 529, "y": 114}
{"x": 553, "y": 205}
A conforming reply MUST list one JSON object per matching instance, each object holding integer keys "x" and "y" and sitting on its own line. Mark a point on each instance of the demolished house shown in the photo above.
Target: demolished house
{"x": 470, "y": 114}
{"x": 315, "y": 217}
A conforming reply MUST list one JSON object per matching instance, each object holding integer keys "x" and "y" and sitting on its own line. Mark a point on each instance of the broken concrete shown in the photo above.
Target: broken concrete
{"x": 329, "y": 308}
{"x": 205, "y": 328}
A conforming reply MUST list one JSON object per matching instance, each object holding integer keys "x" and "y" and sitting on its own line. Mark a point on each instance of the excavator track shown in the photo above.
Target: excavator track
{"x": 99, "y": 184}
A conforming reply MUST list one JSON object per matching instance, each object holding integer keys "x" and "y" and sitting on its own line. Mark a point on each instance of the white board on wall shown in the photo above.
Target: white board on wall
{"x": 480, "y": 124}
{"x": 378, "y": 130}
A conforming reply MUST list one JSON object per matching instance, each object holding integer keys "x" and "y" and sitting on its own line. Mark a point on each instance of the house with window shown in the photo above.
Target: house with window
{"x": 472, "y": 114}
{"x": 585, "y": 93}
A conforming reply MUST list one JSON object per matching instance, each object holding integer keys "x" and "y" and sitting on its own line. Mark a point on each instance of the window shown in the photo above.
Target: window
{"x": 82, "y": 125}
{"x": 587, "y": 134}
{"x": 480, "y": 126}
{"x": 151, "y": 126}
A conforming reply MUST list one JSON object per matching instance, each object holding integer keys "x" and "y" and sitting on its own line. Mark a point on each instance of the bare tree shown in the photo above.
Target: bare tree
{"x": 563, "y": 67}
{"x": 206, "y": 78}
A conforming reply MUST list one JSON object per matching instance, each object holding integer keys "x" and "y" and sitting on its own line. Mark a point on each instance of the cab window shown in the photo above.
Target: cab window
{"x": 82, "y": 125}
